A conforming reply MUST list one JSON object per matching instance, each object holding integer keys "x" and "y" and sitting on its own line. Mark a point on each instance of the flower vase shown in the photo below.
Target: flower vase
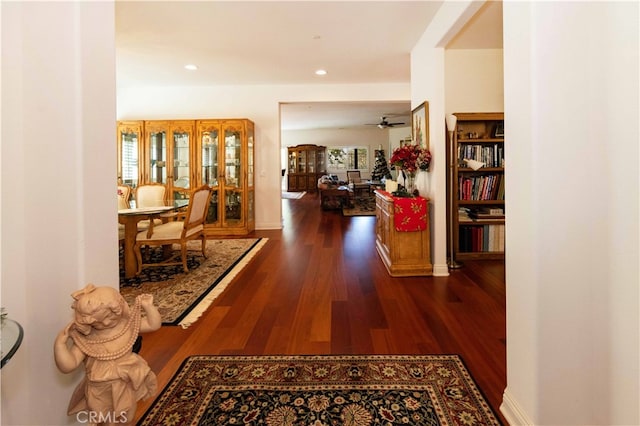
{"x": 410, "y": 182}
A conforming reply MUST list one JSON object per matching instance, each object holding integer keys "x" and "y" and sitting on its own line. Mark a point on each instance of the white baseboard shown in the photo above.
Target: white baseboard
{"x": 268, "y": 226}
{"x": 440, "y": 270}
{"x": 512, "y": 411}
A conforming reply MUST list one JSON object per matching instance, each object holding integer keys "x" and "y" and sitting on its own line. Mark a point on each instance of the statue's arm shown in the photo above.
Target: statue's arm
{"x": 152, "y": 321}
{"x": 67, "y": 358}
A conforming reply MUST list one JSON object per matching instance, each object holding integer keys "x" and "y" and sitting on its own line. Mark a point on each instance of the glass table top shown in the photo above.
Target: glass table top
{"x": 11, "y": 338}
{"x": 165, "y": 207}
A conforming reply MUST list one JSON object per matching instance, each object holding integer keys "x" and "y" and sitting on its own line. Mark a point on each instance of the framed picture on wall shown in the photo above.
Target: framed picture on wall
{"x": 420, "y": 125}
{"x": 406, "y": 141}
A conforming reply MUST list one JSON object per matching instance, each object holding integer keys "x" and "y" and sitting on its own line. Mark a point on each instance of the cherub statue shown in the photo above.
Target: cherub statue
{"x": 102, "y": 336}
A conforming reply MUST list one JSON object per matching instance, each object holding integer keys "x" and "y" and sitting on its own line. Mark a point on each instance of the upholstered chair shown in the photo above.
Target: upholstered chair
{"x": 358, "y": 184}
{"x": 124, "y": 196}
{"x": 177, "y": 232}
{"x": 150, "y": 195}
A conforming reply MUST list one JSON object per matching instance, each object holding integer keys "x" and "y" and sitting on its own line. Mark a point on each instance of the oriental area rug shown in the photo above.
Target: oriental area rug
{"x": 321, "y": 390}
{"x": 362, "y": 206}
{"x": 183, "y": 297}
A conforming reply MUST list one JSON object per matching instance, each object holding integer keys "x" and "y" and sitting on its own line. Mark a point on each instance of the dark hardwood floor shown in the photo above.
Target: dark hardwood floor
{"x": 319, "y": 287}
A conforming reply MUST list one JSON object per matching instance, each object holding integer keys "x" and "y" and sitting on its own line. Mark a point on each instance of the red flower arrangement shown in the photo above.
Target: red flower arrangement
{"x": 410, "y": 158}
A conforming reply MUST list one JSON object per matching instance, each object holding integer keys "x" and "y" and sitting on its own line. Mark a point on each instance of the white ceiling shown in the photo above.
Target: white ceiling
{"x": 342, "y": 115}
{"x": 266, "y": 42}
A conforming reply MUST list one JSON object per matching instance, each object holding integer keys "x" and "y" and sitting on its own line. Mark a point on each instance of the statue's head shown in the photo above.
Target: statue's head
{"x": 97, "y": 308}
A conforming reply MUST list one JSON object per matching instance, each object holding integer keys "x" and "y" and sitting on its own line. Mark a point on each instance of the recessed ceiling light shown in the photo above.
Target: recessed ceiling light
{"x": 321, "y": 72}
{"x": 191, "y": 67}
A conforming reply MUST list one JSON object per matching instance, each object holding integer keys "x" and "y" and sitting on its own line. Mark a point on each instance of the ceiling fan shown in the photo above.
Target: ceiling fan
{"x": 383, "y": 124}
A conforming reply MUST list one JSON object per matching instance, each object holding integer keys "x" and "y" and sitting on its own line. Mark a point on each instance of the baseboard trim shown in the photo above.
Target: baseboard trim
{"x": 512, "y": 411}
{"x": 268, "y": 226}
{"x": 440, "y": 270}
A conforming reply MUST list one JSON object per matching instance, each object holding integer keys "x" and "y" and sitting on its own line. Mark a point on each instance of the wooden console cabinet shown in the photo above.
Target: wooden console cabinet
{"x": 404, "y": 254}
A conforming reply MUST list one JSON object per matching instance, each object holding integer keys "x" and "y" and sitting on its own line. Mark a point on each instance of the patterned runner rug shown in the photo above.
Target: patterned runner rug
{"x": 321, "y": 390}
{"x": 183, "y": 297}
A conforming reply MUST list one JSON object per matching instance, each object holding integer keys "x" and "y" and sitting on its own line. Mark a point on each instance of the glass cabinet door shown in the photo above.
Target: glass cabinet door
{"x": 181, "y": 159}
{"x": 321, "y": 162}
{"x": 250, "y": 165}
{"x": 157, "y": 153}
{"x": 302, "y": 161}
{"x": 232, "y": 175}
{"x": 250, "y": 177}
{"x": 209, "y": 157}
{"x": 129, "y": 147}
{"x": 209, "y": 167}
{"x": 311, "y": 162}
{"x": 292, "y": 162}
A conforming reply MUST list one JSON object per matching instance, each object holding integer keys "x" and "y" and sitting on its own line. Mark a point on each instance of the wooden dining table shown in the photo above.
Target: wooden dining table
{"x": 130, "y": 218}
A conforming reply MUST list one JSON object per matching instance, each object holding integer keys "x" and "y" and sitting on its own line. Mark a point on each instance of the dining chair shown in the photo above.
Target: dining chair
{"x": 124, "y": 196}
{"x": 150, "y": 195}
{"x": 177, "y": 232}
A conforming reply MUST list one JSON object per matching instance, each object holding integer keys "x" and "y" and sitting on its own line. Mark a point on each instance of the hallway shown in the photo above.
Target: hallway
{"x": 319, "y": 287}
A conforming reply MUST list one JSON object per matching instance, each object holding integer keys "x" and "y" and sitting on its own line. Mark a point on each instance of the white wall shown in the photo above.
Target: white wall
{"x": 58, "y": 221}
{"x": 258, "y": 103}
{"x": 428, "y": 83}
{"x": 396, "y": 136}
{"x": 571, "y": 122}
{"x": 474, "y": 80}
{"x": 571, "y": 116}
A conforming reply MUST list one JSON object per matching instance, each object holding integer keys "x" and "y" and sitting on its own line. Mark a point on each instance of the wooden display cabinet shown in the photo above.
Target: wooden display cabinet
{"x": 226, "y": 163}
{"x": 404, "y": 254}
{"x": 305, "y": 165}
{"x": 478, "y": 202}
{"x": 184, "y": 154}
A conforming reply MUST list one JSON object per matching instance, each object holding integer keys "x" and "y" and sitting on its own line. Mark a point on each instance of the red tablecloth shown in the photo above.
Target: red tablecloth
{"x": 410, "y": 214}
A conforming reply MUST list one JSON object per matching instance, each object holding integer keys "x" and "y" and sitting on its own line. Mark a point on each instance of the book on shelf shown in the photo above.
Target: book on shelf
{"x": 481, "y": 238}
{"x": 485, "y": 187}
{"x": 463, "y": 215}
{"x": 486, "y": 213}
{"x": 490, "y": 155}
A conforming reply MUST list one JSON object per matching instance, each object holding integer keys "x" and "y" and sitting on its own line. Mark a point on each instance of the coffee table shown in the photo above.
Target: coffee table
{"x": 342, "y": 196}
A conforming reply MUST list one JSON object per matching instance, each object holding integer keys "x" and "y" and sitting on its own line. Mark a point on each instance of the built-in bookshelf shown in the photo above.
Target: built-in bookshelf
{"x": 478, "y": 222}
